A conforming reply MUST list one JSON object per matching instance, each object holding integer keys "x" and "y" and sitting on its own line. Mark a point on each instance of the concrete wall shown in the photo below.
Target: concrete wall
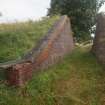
{"x": 99, "y": 42}
{"x": 52, "y": 48}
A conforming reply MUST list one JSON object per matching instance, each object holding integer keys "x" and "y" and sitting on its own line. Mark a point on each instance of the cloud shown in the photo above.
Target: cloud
{"x": 23, "y": 9}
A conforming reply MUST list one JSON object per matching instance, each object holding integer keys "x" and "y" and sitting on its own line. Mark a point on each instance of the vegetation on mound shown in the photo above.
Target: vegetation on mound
{"x": 77, "y": 80}
{"x": 18, "y": 38}
{"x": 82, "y": 14}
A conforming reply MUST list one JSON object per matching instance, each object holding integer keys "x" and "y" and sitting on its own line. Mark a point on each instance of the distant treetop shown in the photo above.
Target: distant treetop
{"x": 82, "y": 14}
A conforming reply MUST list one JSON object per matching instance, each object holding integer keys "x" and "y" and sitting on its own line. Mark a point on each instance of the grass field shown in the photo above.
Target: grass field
{"x": 77, "y": 80}
{"x": 18, "y": 38}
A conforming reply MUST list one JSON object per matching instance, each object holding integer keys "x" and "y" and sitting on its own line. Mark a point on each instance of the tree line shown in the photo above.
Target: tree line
{"x": 82, "y": 14}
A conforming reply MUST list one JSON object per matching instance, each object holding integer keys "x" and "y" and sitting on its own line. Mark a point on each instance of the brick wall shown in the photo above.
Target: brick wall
{"x": 52, "y": 48}
{"x": 99, "y": 42}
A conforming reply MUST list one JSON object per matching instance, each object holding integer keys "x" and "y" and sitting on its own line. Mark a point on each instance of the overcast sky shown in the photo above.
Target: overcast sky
{"x": 24, "y": 9}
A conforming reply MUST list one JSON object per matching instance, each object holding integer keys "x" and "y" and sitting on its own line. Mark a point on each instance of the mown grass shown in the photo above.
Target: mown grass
{"x": 18, "y": 38}
{"x": 77, "y": 80}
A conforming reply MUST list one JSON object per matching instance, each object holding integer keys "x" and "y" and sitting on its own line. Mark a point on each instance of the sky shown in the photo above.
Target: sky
{"x": 23, "y": 9}
{"x": 19, "y": 10}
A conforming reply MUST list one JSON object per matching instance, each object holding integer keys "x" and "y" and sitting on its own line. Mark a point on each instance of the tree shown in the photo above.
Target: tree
{"x": 82, "y": 14}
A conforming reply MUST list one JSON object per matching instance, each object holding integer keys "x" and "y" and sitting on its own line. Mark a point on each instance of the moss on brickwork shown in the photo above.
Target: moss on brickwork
{"x": 2, "y": 74}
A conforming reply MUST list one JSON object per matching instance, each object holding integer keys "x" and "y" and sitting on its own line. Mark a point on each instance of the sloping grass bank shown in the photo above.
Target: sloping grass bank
{"x": 18, "y": 38}
{"x": 77, "y": 80}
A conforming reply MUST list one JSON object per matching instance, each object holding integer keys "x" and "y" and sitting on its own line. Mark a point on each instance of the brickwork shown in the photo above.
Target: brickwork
{"x": 99, "y": 41}
{"x": 57, "y": 43}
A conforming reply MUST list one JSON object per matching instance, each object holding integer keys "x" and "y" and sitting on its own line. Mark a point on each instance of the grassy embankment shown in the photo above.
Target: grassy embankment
{"x": 18, "y": 38}
{"x": 77, "y": 80}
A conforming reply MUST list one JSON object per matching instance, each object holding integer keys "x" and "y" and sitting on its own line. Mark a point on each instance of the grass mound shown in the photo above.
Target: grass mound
{"x": 18, "y": 38}
{"x": 77, "y": 80}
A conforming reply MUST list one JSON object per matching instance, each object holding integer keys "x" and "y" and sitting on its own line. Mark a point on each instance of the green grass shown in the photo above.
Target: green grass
{"x": 18, "y": 38}
{"x": 77, "y": 80}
